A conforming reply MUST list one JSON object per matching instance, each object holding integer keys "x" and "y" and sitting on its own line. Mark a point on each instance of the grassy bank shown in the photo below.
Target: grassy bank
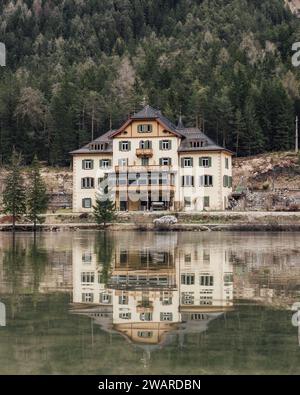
{"x": 213, "y": 221}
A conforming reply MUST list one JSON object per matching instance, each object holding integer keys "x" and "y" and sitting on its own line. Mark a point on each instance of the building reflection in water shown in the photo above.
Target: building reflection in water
{"x": 154, "y": 288}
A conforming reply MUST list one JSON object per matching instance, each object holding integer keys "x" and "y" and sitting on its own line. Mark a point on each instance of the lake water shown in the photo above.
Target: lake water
{"x": 149, "y": 303}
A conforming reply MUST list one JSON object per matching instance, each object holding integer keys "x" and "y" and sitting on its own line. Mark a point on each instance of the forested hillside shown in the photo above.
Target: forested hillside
{"x": 77, "y": 67}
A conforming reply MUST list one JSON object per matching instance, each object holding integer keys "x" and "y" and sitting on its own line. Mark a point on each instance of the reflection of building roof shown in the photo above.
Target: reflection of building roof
{"x": 162, "y": 333}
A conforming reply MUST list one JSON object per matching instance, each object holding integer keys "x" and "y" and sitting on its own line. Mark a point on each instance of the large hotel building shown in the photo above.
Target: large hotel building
{"x": 149, "y": 163}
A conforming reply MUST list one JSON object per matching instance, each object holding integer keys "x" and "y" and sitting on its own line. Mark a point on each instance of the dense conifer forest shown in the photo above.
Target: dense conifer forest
{"x": 75, "y": 68}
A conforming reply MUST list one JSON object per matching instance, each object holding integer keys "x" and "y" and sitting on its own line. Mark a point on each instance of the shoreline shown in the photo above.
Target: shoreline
{"x": 262, "y": 227}
{"x": 198, "y": 222}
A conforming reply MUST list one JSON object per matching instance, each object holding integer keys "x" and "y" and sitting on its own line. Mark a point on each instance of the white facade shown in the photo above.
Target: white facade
{"x": 168, "y": 167}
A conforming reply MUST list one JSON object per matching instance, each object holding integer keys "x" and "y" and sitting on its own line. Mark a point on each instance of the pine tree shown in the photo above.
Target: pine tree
{"x": 104, "y": 209}
{"x": 37, "y": 199}
{"x": 14, "y": 200}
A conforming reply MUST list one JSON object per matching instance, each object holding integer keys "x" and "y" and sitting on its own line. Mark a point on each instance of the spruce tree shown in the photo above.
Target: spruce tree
{"x": 14, "y": 199}
{"x": 37, "y": 199}
{"x": 104, "y": 209}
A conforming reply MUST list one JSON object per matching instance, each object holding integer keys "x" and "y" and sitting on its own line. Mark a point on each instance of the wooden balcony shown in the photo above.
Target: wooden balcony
{"x": 141, "y": 169}
{"x": 145, "y": 152}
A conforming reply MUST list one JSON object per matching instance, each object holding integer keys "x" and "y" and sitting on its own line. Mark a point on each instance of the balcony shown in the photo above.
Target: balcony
{"x": 141, "y": 169}
{"x": 145, "y": 152}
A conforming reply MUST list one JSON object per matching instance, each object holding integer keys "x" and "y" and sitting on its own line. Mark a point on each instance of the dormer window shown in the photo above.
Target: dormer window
{"x": 197, "y": 144}
{"x": 98, "y": 146}
{"x": 144, "y": 128}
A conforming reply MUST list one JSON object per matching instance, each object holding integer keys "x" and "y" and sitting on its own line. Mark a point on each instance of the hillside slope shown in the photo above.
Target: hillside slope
{"x": 76, "y": 67}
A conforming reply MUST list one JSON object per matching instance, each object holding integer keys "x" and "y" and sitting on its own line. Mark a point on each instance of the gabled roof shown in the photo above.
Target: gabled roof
{"x": 187, "y": 135}
{"x": 148, "y": 113}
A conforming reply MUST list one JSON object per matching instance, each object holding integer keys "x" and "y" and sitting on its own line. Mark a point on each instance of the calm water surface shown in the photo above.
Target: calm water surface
{"x": 149, "y": 303}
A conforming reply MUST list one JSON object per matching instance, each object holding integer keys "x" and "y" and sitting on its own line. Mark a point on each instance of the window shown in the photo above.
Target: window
{"x": 105, "y": 163}
{"x": 187, "y": 201}
{"x": 123, "y": 299}
{"x": 87, "y": 257}
{"x": 125, "y": 316}
{"x": 104, "y": 298}
{"x": 145, "y": 334}
{"x": 166, "y": 316}
{"x": 206, "y": 181}
{"x": 87, "y": 164}
{"x": 206, "y": 300}
{"x": 145, "y": 128}
{"x": 206, "y": 201}
{"x": 165, "y": 161}
{"x": 227, "y": 181}
{"x": 87, "y": 297}
{"x": 165, "y": 145}
{"x": 206, "y": 256}
{"x": 205, "y": 161}
{"x": 166, "y": 298}
{"x": 187, "y": 298}
{"x": 186, "y": 162}
{"x": 88, "y": 277}
{"x": 122, "y": 162}
{"x": 145, "y": 144}
{"x": 86, "y": 203}
{"x": 87, "y": 183}
{"x": 199, "y": 316}
{"x": 146, "y": 317}
{"x": 226, "y": 163}
{"x": 206, "y": 280}
{"x": 188, "y": 258}
{"x": 188, "y": 279}
{"x": 187, "y": 181}
{"x": 144, "y": 161}
{"x": 124, "y": 146}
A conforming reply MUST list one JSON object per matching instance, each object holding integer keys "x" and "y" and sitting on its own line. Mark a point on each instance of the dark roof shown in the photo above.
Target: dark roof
{"x": 188, "y": 135}
{"x": 149, "y": 112}
{"x": 104, "y": 138}
{"x": 195, "y": 134}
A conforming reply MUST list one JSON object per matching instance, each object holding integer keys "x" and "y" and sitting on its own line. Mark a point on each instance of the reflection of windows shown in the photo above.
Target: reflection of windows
{"x": 188, "y": 258}
{"x": 188, "y": 279}
{"x": 145, "y": 334}
{"x": 123, "y": 299}
{"x": 166, "y": 298}
{"x": 206, "y": 256}
{"x": 87, "y": 277}
{"x": 199, "y": 316}
{"x": 206, "y": 291}
{"x": 123, "y": 257}
{"x": 125, "y": 316}
{"x": 166, "y": 316}
{"x": 146, "y": 317}
{"x": 87, "y": 203}
{"x": 187, "y": 201}
{"x": 87, "y": 297}
{"x": 206, "y": 300}
{"x": 187, "y": 298}
{"x": 228, "y": 278}
{"x": 87, "y": 257}
{"x": 105, "y": 298}
{"x": 206, "y": 280}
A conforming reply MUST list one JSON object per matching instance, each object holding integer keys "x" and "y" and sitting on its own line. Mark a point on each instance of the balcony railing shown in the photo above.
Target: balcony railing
{"x": 141, "y": 169}
{"x": 147, "y": 152}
